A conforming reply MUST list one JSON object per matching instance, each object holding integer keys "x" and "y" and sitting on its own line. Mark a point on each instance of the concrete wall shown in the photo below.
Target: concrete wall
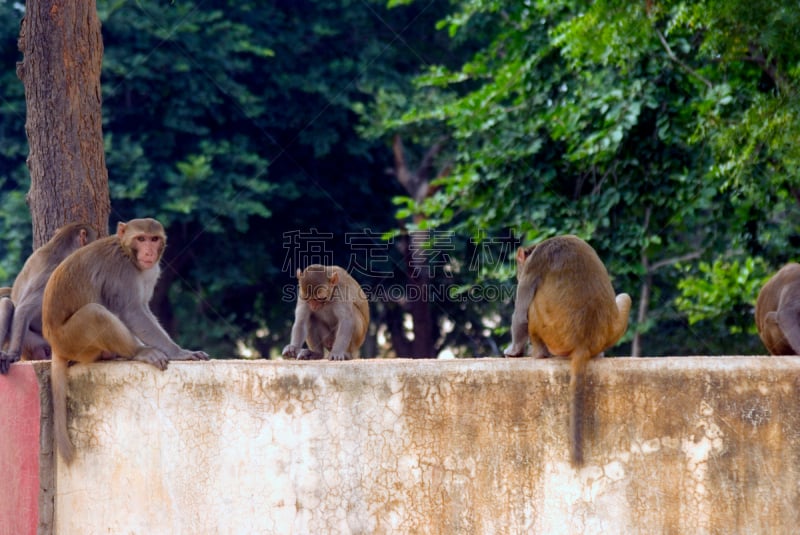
{"x": 27, "y": 474}
{"x": 673, "y": 445}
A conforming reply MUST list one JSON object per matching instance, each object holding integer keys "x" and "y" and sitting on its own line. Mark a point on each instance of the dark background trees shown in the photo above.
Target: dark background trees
{"x": 660, "y": 131}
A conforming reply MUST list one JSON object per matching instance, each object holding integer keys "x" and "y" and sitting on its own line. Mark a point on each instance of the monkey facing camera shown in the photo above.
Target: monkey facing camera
{"x": 21, "y": 308}
{"x": 332, "y": 313}
{"x": 565, "y": 306}
{"x": 96, "y": 305}
{"x": 778, "y": 311}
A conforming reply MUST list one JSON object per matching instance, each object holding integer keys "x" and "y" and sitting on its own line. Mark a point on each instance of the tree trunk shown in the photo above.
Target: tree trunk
{"x": 62, "y": 51}
{"x": 417, "y": 184}
{"x": 419, "y": 280}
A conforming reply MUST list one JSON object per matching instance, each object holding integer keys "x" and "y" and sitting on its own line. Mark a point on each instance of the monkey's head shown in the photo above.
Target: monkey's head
{"x": 143, "y": 240}
{"x": 316, "y": 287}
{"x": 522, "y": 255}
{"x": 75, "y": 235}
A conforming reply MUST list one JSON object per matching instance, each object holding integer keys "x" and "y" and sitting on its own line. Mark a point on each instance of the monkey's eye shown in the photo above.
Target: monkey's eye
{"x": 321, "y": 294}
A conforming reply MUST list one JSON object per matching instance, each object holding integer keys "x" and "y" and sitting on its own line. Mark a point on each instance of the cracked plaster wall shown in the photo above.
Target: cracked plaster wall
{"x": 672, "y": 445}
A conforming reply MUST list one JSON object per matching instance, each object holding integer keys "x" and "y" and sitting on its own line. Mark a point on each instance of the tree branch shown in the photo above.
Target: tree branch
{"x": 677, "y": 60}
{"x": 669, "y": 261}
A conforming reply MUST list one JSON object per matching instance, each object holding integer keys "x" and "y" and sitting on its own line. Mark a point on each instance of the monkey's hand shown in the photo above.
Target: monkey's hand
{"x": 6, "y": 360}
{"x": 340, "y": 356}
{"x": 5, "y": 363}
{"x": 290, "y": 351}
{"x": 152, "y": 356}
{"x": 308, "y": 354}
{"x": 188, "y": 354}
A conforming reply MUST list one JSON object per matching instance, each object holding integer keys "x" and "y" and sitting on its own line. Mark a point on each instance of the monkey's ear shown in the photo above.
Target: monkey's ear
{"x": 121, "y": 229}
{"x": 83, "y": 237}
{"x": 521, "y": 256}
{"x": 334, "y": 279}
{"x": 299, "y": 273}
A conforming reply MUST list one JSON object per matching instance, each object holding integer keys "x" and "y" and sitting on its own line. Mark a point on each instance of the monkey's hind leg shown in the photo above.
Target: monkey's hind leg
{"x": 538, "y": 348}
{"x": 107, "y": 336}
{"x": 789, "y": 323}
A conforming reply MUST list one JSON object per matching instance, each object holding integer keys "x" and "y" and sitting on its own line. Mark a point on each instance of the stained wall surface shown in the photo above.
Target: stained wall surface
{"x": 26, "y": 468}
{"x": 672, "y": 445}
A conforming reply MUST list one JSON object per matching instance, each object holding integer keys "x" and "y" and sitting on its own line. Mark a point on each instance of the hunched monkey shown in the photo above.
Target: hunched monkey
{"x": 21, "y": 310}
{"x": 565, "y": 306}
{"x": 96, "y": 304}
{"x": 778, "y": 311}
{"x": 331, "y": 313}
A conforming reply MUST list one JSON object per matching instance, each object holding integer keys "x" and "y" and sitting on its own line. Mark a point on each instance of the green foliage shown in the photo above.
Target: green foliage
{"x": 663, "y": 132}
{"x": 658, "y": 131}
{"x": 715, "y": 289}
{"x": 234, "y": 124}
{"x": 15, "y": 218}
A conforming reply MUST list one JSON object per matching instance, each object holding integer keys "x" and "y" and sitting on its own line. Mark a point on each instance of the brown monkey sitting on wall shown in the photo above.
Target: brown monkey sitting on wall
{"x": 21, "y": 312}
{"x": 96, "y": 304}
{"x": 332, "y": 312}
{"x": 565, "y": 306}
{"x": 778, "y": 311}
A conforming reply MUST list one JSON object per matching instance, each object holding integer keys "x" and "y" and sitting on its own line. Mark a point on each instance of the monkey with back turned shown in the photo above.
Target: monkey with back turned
{"x": 21, "y": 308}
{"x": 778, "y": 311}
{"x": 565, "y": 306}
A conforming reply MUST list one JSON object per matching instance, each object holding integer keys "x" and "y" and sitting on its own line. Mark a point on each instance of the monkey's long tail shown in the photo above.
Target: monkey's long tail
{"x": 58, "y": 384}
{"x": 577, "y": 395}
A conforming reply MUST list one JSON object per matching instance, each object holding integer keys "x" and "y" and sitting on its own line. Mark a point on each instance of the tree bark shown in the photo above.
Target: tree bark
{"x": 62, "y": 51}
{"x": 417, "y": 184}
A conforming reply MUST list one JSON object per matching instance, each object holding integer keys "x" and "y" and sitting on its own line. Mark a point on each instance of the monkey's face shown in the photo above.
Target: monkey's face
{"x": 316, "y": 288}
{"x": 143, "y": 240}
{"x": 316, "y": 295}
{"x": 147, "y": 249}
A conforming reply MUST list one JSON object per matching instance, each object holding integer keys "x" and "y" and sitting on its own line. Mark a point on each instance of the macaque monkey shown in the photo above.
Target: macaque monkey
{"x": 565, "y": 306}
{"x": 21, "y": 310}
{"x": 778, "y": 311}
{"x": 96, "y": 305}
{"x": 331, "y": 313}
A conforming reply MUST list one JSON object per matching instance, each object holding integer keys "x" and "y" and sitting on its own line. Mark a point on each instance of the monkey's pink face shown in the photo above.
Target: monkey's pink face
{"x": 316, "y": 297}
{"x": 148, "y": 249}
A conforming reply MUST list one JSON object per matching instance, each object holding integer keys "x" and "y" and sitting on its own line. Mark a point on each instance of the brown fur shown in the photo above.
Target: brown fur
{"x": 332, "y": 312}
{"x": 778, "y": 311}
{"x": 96, "y": 305}
{"x": 21, "y": 310}
{"x": 565, "y": 306}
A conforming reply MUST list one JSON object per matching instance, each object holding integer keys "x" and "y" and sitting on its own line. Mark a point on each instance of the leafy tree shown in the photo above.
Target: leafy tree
{"x": 233, "y": 123}
{"x": 623, "y": 123}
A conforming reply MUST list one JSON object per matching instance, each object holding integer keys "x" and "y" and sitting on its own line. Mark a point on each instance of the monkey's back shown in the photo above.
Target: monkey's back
{"x": 574, "y": 305}
{"x": 40, "y": 264}
{"x": 361, "y": 303}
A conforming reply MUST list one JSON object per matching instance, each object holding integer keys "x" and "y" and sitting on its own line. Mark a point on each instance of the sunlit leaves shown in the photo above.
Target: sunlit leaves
{"x": 719, "y": 287}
